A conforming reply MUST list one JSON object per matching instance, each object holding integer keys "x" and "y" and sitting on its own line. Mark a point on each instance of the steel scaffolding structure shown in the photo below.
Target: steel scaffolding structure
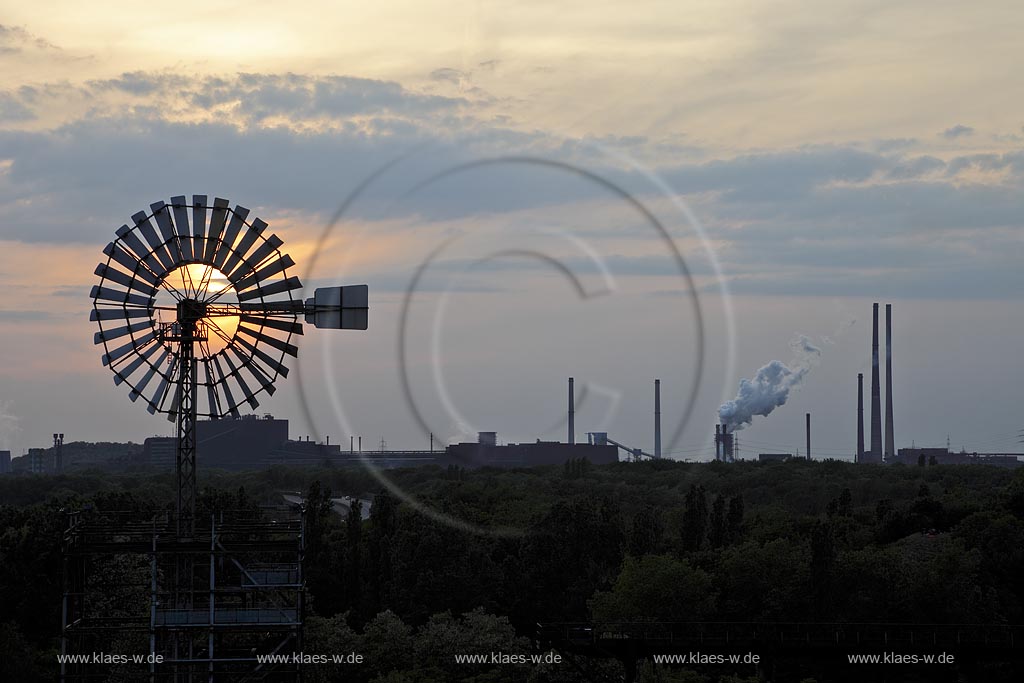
{"x": 134, "y": 610}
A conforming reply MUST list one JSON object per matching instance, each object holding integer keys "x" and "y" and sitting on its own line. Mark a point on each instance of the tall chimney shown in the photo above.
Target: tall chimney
{"x": 890, "y": 450}
{"x": 808, "y": 436}
{"x": 657, "y": 419}
{"x": 860, "y": 417}
{"x": 718, "y": 439}
{"x": 572, "y": 413}
{"x": 876, "y": 406}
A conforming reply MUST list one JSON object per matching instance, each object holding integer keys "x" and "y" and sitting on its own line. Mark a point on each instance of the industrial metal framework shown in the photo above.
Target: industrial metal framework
{"x": 142, "y": 603}
{"x": 203, "y": 287}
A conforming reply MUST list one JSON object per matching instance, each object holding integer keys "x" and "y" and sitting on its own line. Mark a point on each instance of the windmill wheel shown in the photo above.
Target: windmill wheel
{"x": 205, "y": 280}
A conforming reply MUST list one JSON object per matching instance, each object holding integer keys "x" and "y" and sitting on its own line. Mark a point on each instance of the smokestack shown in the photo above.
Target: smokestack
{"x": 860, "y": 417}
{"x": 890, "y": 449}
{"x": 876, "y": 407}
{"x": 657, "y": 418}
{"x": 718, "y": 439}
{"x": 808, "y": 436}
{"x": 572, "y": 413}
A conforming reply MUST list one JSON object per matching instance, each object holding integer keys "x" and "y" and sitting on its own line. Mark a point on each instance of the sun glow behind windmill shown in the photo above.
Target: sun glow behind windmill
{"x": 197, "y": 315}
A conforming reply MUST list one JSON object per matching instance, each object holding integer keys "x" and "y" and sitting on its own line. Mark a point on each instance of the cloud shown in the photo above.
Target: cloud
{"x": 255, "y": 97}
{"x": 957, "y": 131}
{"x": 811, "y": 219}
{"x": 12, "y": 109}
{"x": 15, "y": 39}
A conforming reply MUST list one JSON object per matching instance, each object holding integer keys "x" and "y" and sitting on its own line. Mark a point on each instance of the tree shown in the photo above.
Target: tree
{"x": 695, "y": 518}
{"x": 387, "y": 642}
{"x": 646, "y": 531}
{"x": 823, "y": 557}
{"x": 845, "y": 502}
{"x": 353, "y": 553}
{"x": 383, "y": 524}
{"x": 734, "y": 519}
{"x": 656, "y": 588}
{"x": 718, "y": 528}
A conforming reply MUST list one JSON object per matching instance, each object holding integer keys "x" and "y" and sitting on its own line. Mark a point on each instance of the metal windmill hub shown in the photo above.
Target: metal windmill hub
{"x": 191, "y": 311}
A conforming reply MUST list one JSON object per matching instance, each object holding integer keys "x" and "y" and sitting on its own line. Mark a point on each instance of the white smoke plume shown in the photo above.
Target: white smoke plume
{"x": 770, "y": 387}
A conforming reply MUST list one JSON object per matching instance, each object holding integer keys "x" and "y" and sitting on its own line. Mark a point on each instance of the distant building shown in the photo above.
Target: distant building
{"x": 159, "y": 451}
{"x": 944, "y": 456}
{"x": 229, "y": 443}
{"x": 39, "y": 460}
{"x": 251, "y": 442}
{"x": 486, "y": 453}
{"x": 5, "y": 462}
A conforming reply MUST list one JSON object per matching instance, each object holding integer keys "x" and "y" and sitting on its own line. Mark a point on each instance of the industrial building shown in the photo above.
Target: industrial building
{"x": 944, "y": 456}
{"x": 5, "y": 462}
{"x": 228, "y": 443}
{"x": 249, "y": 442}
{"x": 487, "y": 453}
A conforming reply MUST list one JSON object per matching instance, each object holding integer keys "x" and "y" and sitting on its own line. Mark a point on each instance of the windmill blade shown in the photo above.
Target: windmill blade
{"x": 182, "y": 230}
{"x": 134, "y": 263}
{"x": 211, "y": 390}
{"x": 262, "y": 379}
{"x": 117, "y": 313}
{"x": 199, "y": 207}
{"x": 154, "y": 367}
{"x": 232, "y": 405}
{"x": 271, "y": 245}
{"x": 173, "y": 407}
{"x": 275, "y": 365}
{"x": 133, "y": 345}
{"x": 122, "y": 374}
{"x": 160, "y": 395}
{"x": 244, "y": 245}
{"x": 162, "y": 216}
{"x": 284, "y": 346}
{"x": 288, "y": 326}
{"x": 250, "y": 397}
{"x": 115, "y": 275}
{"x": 107, "y": 294}
{"x": 146, "y": 229}
{"x": 235, "y": 225}
{"x": 279, "y": 287}
{"x": 109, "y": 335}
{"x": 264, "y": 273}
{"x": 217, "y": 218}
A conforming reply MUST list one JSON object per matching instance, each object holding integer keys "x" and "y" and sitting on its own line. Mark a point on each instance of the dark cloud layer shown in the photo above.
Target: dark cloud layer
{"x": 805, "y": 220}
